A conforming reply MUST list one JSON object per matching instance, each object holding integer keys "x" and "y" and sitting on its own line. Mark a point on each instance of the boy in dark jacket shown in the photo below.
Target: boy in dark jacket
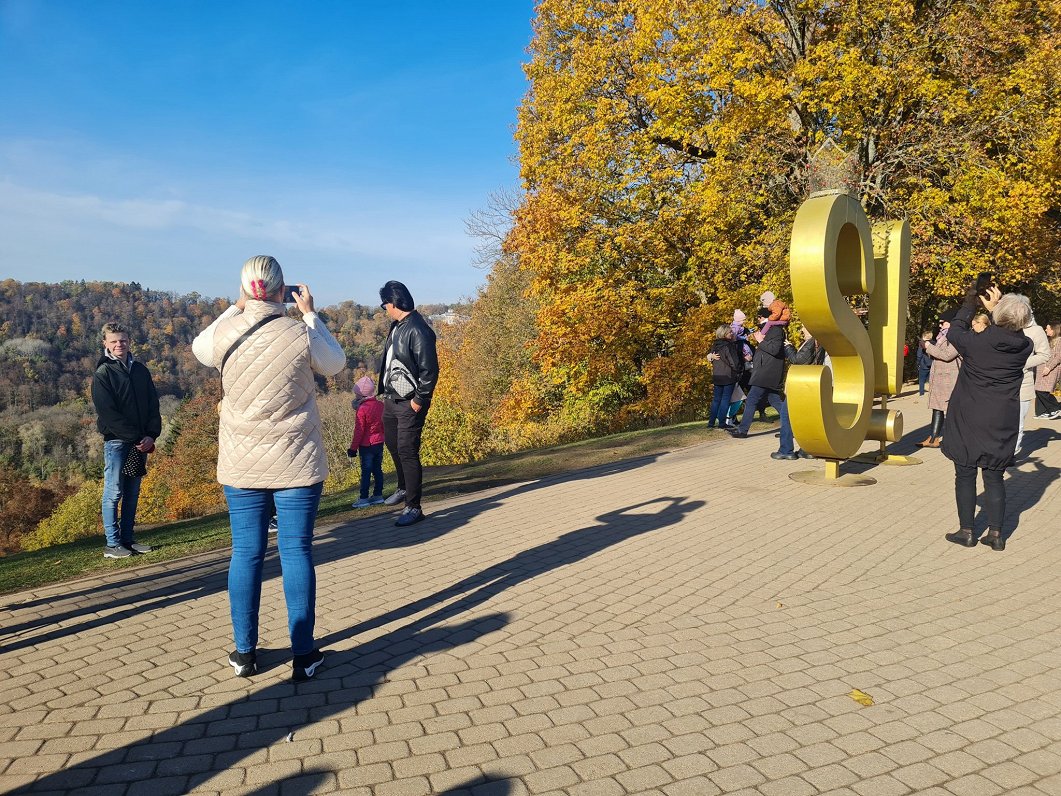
{"x": 767, "y": 382}
{"x": 128, "y": 417}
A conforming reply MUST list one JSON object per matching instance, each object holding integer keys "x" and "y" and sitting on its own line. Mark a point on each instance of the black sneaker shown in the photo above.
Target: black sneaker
{"x": 244, "y": 663}
{"x": 305, "y": 666}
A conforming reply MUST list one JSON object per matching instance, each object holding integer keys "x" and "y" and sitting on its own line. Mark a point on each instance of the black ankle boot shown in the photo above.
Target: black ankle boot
{"x": 964, "y": 537}
{"x": 937, "y": 424}
{"x": 993, "y": 539}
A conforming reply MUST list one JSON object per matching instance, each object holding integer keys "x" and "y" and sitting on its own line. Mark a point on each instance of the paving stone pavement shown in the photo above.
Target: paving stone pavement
{"x": 688, "y": 623}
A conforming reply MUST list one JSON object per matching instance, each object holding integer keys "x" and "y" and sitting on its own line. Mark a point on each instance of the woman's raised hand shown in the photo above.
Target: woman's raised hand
{"x": 304, "y": 299}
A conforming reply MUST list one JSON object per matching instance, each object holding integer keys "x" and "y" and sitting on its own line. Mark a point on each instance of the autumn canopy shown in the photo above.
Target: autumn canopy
{"x": 665, "y": 146}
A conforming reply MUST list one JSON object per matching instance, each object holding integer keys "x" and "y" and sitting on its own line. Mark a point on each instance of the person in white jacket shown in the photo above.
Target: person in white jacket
{"x": 271, "y": 455}
{"x": 1040, "y": 354}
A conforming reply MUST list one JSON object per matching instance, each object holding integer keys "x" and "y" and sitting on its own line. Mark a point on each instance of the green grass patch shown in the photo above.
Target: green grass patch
{"x": 29, "y": 570}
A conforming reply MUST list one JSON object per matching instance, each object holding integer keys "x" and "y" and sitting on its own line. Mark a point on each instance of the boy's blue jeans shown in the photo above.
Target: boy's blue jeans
{"x": 118, "y": 488}
{"x": 371, "y": 457}
{"x": 922, "y": 380}
{"x": 249, "y": 512}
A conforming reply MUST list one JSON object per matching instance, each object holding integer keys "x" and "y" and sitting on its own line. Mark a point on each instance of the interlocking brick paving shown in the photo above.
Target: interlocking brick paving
{"x": 689, "y": 623}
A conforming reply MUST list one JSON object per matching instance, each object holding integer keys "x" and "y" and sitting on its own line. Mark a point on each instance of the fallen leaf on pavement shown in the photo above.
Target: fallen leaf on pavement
{"x": 861, "y": 697}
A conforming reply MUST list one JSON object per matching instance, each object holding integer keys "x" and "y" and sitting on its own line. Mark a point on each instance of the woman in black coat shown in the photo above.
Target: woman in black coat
{"x": 983, "y": 417}
{"x": 727, "y": 361}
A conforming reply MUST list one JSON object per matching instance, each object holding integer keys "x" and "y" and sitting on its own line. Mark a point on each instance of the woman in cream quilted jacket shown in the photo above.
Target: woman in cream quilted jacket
{"x": 271, "y": 454}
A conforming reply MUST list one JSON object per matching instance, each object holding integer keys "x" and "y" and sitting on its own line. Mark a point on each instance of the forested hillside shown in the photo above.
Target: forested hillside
{"x": 49, "y": 346}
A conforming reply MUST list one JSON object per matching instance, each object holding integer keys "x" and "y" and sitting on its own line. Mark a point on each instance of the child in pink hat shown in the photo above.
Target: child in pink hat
{"x": 368, "y": 441}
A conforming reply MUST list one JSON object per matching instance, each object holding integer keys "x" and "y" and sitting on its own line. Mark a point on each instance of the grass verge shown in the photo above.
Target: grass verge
{"x": 64, "y": 562}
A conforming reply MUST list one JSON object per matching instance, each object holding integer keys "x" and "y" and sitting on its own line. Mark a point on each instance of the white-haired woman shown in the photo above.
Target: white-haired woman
{"x": 983, "y": 416}
{"x": 271, "y": 455}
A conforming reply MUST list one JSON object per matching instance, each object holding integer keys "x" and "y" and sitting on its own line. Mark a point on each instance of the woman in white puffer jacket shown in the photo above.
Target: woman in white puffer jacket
{"x": 271, "y": 455}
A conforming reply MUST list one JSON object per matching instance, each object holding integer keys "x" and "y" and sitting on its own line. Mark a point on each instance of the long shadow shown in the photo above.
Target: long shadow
{"x": 1025, "y": 489}
{"x": 198, "y": 748}
{"x": 308, "y": 781}
{"x": 311, "y": 780}
{"x": 614, "y": 527}
{"x": 229, "y": 733}
{"x": 482, "y": 785}
{"x": 199, "y": 579}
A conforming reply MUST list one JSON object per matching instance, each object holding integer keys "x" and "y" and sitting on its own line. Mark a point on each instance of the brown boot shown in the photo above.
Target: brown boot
{"x": 926, "y": 444}
{"x": 937, "y": 443}
{"x": 993, "y": 539}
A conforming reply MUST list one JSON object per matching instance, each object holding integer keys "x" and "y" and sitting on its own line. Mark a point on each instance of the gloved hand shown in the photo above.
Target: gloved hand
{"x": 350, "y": 453}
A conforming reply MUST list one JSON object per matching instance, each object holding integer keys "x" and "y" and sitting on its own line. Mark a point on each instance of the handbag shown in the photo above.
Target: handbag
{"x": 400, "y": 380}
{"x": 135, "y": 464}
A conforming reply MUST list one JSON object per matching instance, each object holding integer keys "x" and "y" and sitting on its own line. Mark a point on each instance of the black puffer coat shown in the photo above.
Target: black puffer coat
{"x": 768, "y": 363}
{"x": 983, "y": 416}
{"x": 729, "y": 365}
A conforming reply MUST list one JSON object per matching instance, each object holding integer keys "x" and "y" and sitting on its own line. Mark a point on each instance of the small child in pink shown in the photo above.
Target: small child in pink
{"x": 368, "y": 441}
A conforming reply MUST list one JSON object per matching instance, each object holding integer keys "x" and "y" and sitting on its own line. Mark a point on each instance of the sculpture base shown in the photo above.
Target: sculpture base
{"x": 876, "y": 457}
{"x": 819, "y": 478}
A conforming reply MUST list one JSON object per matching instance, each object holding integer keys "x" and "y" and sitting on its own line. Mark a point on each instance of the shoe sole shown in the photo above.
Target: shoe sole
{"x": 115, "y": 555}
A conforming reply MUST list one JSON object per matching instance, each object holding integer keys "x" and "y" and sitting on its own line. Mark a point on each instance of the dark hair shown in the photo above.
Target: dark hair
{"x": 397, "y": 294}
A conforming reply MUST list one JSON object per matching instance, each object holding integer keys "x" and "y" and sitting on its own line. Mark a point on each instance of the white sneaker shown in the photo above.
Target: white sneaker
{"x": 395, "y": 499}
{"x": 272, "y": 525}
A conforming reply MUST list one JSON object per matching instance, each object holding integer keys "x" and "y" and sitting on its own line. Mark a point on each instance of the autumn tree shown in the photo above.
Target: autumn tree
{"x": 665, "y": 146}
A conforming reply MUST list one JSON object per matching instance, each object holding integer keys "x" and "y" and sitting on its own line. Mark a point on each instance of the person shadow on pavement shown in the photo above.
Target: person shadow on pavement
{"x": 614, "y": 527}
{"x": 1024, "y": 489}
{"x": 191, "y": 580}
{"x": 192, "y": 751}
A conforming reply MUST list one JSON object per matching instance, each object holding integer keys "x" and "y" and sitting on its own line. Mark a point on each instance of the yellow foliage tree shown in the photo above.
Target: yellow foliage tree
{"x": 665, "y": 146}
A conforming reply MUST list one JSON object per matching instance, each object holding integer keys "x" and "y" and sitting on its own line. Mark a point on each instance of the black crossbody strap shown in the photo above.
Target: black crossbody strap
{"x": 242, "y": 339}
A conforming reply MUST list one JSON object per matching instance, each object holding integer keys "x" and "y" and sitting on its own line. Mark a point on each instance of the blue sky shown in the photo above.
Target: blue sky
{"x": 165, "y": 143}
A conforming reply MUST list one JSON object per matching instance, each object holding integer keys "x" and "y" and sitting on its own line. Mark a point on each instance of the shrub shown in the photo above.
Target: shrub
{"x": 78, "y": 517}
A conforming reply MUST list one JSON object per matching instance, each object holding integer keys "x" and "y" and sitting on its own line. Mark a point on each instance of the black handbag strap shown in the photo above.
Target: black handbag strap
{"x": 242, "y": 339}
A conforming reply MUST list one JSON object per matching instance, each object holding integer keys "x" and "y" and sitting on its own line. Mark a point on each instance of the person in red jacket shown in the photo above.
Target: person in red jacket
{"x": 368, "y": 441}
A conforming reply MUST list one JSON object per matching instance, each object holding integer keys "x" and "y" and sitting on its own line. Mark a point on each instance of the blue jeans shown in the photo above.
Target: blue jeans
{"x": 249, "y": 512}
{"x": 371, "y": 465}
{"x": 773, "y": 397}
{"x": 118, "y": 488}
{"x": 720, "y": 404}
{"x": 922, "y": 380}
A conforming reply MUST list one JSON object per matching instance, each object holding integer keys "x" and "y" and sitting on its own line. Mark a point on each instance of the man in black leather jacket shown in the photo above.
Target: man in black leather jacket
{"x": 407, "y": 377}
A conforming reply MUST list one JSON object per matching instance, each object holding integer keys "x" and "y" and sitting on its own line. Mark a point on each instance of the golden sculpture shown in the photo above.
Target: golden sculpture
{"x": 834, "y": 254}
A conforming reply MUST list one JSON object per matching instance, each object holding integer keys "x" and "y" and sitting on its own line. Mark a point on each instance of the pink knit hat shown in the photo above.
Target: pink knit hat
{"x": 739, "y": 317}
{"x": 365, "y": 387}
